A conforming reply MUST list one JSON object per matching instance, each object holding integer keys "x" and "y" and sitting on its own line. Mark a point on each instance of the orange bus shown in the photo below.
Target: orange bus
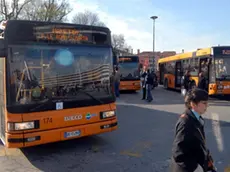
{"x": 56, "y": 82}
{"x": 130, "y": 75}
{"x": 214, "y": 62}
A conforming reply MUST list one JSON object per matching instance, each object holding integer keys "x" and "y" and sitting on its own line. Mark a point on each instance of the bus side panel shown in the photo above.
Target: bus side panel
{"x": 212, "y": 89}
{"x": 5, "y": 116}
{"x": 55, "y": 119}
{"x": 196, "y": 79}
{"x": 2, "y": 118}
{"x": 53, "y": 127}
{"x": 220, "y": 89}
{"x": 171, "y": 80}
{"x": 130, "y": 85}
{"x": 50, "y": 136}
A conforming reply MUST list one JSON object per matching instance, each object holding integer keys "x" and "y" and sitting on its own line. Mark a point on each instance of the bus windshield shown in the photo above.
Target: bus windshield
{"x": 222, "y": 66}
{"x": 128, "y": 67}
{"x": 59, "y": 74}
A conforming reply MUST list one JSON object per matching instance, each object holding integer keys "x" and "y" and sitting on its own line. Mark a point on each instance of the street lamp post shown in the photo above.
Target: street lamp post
{"x": 154, "y": 18}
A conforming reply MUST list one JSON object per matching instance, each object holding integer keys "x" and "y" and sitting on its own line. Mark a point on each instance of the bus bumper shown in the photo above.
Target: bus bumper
{"x": 56, "y": 135}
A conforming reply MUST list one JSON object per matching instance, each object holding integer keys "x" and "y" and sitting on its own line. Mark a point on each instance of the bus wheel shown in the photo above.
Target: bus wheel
{"x": 166, "y": 84}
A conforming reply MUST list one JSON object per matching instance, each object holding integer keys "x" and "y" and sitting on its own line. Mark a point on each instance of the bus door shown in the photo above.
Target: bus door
{"x": 162, "y": 72}
{"x": 204, "y": 67}
{"x": 178, "y": 74}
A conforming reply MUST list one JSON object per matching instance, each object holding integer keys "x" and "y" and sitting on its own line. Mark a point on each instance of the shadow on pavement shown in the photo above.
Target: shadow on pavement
{"x": 142, "y": 142}
{"x": 166, "y": 97}
{"x": 160, "y": 97}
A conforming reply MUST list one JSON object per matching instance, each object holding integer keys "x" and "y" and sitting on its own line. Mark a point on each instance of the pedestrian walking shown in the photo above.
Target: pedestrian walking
{"x": 149, "y": 84}
{"x": 117, "y": 82}
{"x": 186, "y": 83}
{"x": 202, "y": 81}
{"x": 190, "y": 153}
{"x": 143, "y": 83}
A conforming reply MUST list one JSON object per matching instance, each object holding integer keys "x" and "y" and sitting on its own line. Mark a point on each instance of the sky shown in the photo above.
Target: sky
{"x": 180, "y": 25}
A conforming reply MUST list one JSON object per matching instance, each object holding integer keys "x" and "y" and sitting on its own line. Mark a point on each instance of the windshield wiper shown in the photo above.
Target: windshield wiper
{"x": 42, "y": 104}
{"x": 90, "y": 95}
{"x": 46, "y": 103}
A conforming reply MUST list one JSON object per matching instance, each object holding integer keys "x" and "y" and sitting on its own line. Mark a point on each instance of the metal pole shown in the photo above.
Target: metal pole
{"x": 153, "y": 58}
{"x": 153, "y": 45}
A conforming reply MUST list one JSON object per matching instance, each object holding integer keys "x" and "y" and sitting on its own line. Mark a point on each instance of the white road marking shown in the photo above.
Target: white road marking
{"x": 217, "y": 131}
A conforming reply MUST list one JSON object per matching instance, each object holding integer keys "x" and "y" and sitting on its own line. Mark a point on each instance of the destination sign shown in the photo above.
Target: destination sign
{"x": 128, "y": 59}
{"x": 226, "y": 52}
{"x": 125, "y": 59}
{"x": 63, "y": 35}
{"x": 221, "y": 51}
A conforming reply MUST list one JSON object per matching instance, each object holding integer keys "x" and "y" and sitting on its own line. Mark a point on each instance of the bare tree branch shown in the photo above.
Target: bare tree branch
{"x": 119, "y": 43}
{"x": 47, "y": 10}
{"x": 87, "y": 18}
{"x": 12, "y": 9}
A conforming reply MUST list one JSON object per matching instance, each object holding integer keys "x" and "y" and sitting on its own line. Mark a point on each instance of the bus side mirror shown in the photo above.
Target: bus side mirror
{"x": 2, "y": 48}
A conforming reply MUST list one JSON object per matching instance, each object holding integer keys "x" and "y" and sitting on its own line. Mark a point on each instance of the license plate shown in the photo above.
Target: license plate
{"x": 72, "y": 134}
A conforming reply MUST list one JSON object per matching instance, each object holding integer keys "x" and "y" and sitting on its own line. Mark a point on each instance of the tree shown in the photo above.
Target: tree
{"x": 47, "y": 10}
{"x": 118, "y": 41}
{"x": 11, "y": 9}
{"x": 87, "y": 18}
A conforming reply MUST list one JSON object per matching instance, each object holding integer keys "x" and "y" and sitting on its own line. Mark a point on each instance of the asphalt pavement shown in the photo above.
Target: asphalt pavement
{"x": 142, "y": 142}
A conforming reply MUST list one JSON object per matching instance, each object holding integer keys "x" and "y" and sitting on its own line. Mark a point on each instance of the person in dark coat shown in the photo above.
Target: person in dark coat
{"x": 189, "y": 153}
{"x": 202, "y": 81}
{"x": 149, "y": 84}
{"x": 187, "y": 80}
{"x": 143, "y": 83}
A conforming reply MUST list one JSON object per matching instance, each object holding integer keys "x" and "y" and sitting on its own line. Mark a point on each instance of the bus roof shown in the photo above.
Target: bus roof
{"x": 59, "y": 23}
{"x": 29, "y": 32}
{"x": 199, "y": 52}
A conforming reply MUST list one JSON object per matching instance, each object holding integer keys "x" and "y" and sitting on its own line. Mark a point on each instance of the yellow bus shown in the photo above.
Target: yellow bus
{"x": 56, "y": 82}
{"x": 130, "y": 73}
{"x": 214, "y": 62}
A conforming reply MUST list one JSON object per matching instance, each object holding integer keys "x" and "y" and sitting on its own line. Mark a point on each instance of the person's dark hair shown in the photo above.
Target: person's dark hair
{"x": 201, "y": 74}
{"x": 187, "y": 72}
{"x": 116, "y": 68}
{"x": 195, "y": 95}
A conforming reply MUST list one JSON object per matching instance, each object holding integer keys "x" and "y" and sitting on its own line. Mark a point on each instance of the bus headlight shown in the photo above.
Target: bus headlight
{"x": 21, "y": 126}
{"x": 107, "y": 114}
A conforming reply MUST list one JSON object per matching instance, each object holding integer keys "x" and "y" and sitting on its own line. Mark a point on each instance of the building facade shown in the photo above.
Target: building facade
{"x": 147, "y": 60}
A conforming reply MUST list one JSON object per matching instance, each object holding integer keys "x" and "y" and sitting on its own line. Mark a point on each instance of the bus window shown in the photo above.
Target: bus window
{"x": 194, "y": 69}
{"x": 222, "y": 65}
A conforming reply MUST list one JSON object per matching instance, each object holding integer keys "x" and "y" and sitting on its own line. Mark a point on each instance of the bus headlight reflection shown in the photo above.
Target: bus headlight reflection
{"x": 21, "y": 126}
{"x": 107, "y": 114}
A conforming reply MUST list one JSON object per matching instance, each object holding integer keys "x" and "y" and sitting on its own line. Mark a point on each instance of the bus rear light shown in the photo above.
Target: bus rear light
{"x": 107, "y": 114}
{"x": 18, "y": 126}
